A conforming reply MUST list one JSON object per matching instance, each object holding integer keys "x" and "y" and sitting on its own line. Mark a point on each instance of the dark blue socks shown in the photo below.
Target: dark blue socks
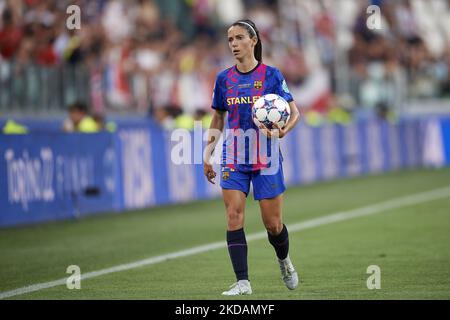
{"x": 280, "y": 243}
{"x": 237, "y": 248}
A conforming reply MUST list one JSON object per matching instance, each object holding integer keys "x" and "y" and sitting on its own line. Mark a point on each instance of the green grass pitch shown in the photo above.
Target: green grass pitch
{"x": 410, "y": 244}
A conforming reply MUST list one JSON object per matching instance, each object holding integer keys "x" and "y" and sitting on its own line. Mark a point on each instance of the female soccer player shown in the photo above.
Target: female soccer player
{"x": 236, "y": 88}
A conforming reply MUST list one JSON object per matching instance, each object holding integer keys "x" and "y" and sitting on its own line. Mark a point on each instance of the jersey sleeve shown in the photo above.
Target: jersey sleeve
{"x": 281, "y": 87}
{"x": 217, "y": 97}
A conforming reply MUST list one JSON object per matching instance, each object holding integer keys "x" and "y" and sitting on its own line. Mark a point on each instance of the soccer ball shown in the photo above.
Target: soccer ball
{"x": 270, "y": 109}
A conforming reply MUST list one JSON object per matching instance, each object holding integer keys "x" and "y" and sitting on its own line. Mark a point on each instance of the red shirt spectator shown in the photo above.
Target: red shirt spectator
{"x": 46, "y": 56}
{"x": 10, "y": 37}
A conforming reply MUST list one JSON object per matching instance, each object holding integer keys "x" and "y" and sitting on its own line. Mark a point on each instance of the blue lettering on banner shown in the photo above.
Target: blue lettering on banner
{"x": 29, "y": 178}
{"x": 137, "y": 166}
{"x": 53, "y": 176}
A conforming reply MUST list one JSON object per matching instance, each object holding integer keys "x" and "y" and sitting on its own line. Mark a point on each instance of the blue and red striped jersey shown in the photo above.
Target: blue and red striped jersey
{"x": 235, "y": 92}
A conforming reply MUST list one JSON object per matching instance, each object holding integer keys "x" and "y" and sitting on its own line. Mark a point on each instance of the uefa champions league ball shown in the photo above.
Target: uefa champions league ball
{"x": 270, "y": 109}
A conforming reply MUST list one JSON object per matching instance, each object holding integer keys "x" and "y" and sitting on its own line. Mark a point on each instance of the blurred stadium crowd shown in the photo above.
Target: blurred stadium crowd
{"x": 160, "y": 57}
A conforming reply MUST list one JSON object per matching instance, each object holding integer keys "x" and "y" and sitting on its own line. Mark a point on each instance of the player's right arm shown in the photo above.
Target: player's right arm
{"x": 214, "y": 133}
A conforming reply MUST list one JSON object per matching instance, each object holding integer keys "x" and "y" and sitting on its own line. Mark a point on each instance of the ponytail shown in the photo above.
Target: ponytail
{"x": 258, "y": 50}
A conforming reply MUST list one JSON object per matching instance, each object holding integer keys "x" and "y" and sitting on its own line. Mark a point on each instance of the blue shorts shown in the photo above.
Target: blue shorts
{"x": 265, "y": 186}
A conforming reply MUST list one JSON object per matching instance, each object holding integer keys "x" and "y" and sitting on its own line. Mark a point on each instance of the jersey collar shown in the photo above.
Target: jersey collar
{"x": 248, "y": 72}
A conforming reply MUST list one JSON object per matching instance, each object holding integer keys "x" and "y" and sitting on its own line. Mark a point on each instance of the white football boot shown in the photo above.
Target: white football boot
{"x": 242, "y": 287}
{"x": 288, "y": 273}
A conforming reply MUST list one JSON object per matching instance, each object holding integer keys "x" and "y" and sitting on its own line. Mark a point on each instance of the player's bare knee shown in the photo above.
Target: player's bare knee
{"x": 274, "y": 227}
{"x": 235, "y": 217}
{"x": 235, "y": 214}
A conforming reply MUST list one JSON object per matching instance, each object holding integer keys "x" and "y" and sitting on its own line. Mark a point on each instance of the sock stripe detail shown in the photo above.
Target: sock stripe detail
{"x": 236, "y": 244}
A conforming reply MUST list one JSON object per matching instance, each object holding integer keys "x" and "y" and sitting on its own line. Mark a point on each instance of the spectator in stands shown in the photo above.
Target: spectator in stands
{"x": 79, "y": 120}
{"x": 165, "y": 117}
{"x": 159, "y": 53}
{"x": 102, "y": 124}
{"x": 184, "y": 121}
{"x": 203, "y": 116}
{"x": 385, "y": 113}
{"x": 10, "y": 35}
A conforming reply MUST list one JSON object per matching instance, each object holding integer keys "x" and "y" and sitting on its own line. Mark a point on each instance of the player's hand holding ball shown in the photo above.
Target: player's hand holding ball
{"x": 276, "y": 131}
{"x": 270, "y": 114}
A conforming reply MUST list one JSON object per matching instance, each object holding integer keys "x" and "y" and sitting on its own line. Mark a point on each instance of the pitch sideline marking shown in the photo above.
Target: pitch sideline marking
{"x": 328, "y": 219}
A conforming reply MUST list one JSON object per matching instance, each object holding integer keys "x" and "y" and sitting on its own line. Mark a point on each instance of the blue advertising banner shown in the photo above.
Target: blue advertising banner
{"x": 445, "y": 126}
{"x": 54, "y": 176}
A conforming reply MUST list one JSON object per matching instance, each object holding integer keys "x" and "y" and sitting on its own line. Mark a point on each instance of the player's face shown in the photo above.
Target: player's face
{"x": 240, "y": 43}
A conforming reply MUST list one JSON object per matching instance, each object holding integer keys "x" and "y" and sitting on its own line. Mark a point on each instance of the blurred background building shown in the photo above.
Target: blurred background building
{"x": 160, "y": 57}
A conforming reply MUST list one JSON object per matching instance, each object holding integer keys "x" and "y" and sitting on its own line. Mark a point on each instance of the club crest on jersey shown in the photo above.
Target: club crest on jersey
{"x": 225, "y": 175}
{"x": 258, "y": 84}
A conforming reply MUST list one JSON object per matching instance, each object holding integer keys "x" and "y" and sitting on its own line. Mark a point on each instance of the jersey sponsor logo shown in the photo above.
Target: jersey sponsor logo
{"x": 242, "y": 100}
{"x": 285, "y": 87}
{"x": 240, "y": 86}
{"x": 258, "y": 84}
